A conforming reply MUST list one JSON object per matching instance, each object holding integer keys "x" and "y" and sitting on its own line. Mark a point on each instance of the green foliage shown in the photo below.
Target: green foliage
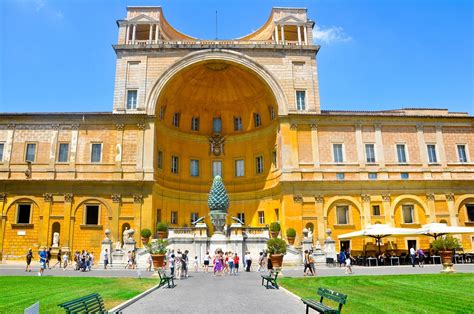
{"x": 158, "y": 246}
{"x": 276, "y": 246}
{"x": 161, "y": 226}
{"x": 275, "y": 227}
{"x": 445, "y": 243}
{"x": 218, "y": 199}
{"x": 145, "y": 233}
{"x": 291, "y": 232}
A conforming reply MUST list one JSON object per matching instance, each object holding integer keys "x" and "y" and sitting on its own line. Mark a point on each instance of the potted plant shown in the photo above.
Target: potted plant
{"x": 445, "y": 247}
{"x": 277, "y": 248}
{"x": 161, "y": 230}
{"x": 146, "y": 234}
{"x": 157, "y": 249}
{"x": 291, "y": 235}
{"x": 274, "y": 229}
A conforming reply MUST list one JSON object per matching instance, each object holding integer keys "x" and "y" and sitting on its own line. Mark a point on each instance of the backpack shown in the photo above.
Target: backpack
{"x": 342, "y": 257}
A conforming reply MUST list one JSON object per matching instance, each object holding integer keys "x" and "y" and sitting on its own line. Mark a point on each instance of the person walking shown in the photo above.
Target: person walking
{"x": 236, "y": 263}
{"x": 171, "y": 263}
{"x": 306, "y": 262}
{"x": 59, "y": 260}
{"x": 65, "y": 260}
{"x": 312, "y": 263}
{"x": 48, "y": 257}
{"x": 412, "y": 256}
{"x": 43, "y": 255}
{"x": 29, "y": 257}
{"x": 106, "y": 258}
{"x": 178, "y": 264}
{"x": 231, "y": 263}
{"x": 348, "y": 262}
{"x": 207, "y": 259}
{"x": 421, "y": 257}
{"x": 248, "y": 261}
{"x": 185, "y": 264}
{"x": 196, "y": 264}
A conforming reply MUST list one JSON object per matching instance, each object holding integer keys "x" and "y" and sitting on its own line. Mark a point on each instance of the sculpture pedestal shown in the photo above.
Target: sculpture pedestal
{"x": 307, "y": 244}
{"x": 218, "y": 241}
{"x": 319, "y": 257}
{"x": 330, "y": 249}
{"x": 106, "y": 244}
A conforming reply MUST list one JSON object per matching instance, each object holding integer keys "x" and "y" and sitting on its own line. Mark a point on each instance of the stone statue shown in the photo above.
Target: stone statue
{"x": 310, "y": 234}
{"x": 118, "y": 246}
{"x": 56, "y": 239}
{"x": 125, "y": 235}
{"x": 305, "y": 233}
{"x": 318, "y": 245}
{"x": 107, "y": 235}
{"x": 130, "y": 233}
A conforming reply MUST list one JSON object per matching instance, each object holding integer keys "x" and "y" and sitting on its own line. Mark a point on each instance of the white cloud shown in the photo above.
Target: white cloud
{"x": 330, "y": 35}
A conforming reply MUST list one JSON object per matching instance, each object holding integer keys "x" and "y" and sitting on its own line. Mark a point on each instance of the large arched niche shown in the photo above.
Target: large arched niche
{"x": 222, "y": 56}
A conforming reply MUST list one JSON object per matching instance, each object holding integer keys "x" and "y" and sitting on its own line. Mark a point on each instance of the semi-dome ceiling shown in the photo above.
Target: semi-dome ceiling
{"x": 217, "y": 89}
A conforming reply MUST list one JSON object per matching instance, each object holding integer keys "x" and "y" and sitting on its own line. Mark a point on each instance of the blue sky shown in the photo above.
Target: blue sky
{"x": 375, "y": 55}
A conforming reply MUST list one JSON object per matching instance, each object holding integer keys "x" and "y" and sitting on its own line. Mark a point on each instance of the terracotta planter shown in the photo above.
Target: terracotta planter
{"x": 158, "y": 260}
{"x": 161, "y": 234}
{"x": 274, "y": 234}
{"x": 145, "y": 241}
{"x": 447, "y": 258}
{"x": 277, "y": 260}
{"x": 291, "y": 240}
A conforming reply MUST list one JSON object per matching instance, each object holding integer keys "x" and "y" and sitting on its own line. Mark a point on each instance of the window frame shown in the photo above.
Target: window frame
{"x": 372, "y": 176}
{"x": 196, "y": 214}
{"x": 435, "y": 150}
{"x": 174, "y": 217}
{"x": 176, "y": 119}
{"x": 162, "y": 112}
{"x": 346, "y": 207}
{"x": 241, "y": 217}
{"x": 159, "y": 160}
{"x": 101, "y": 150}
{"x": 405, "y": 151}
{"x": 195, "y": 123}
{"x": 191, "y": 162}
{"x": 127, "y": 99}
{"x": 214, "y": 120}
{"x": 59, "y": 152}
{"x": 261, "y": 217}
{"x": 340, "y": 176}
{"x": 257, "y": 158}
{"x": 300, "y": 107}
{"x": 402, "y": 174}
{"x": 238, "y": 124}
{"x": 85, "y": 211}
{"x": 271, "y": 112}
{"x": 466, "y": 153}
{"x": 26, "y": 151}
{"x": 236, "y": 168}
{"x": 373, "y": 151}
{"x": 334, "y": 152}
{"x": 174, "y": 168}
{"x": 373, "y": 210}
{"x": 2, "y": 155}
{"x": 217, "y": 161}
{"x": 257, "y": 120}
{"x": 412, "y": 212}
{"x": 467, "y": 212}
{"x": 275, "y": 159}
{"x": 17, "y": 214}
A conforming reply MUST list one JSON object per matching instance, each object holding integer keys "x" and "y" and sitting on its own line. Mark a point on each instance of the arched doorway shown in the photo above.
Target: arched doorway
{"x": 56, "y": 227}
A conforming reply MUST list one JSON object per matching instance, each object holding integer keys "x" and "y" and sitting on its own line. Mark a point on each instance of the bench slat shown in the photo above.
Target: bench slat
{"x": 332, "y": 295}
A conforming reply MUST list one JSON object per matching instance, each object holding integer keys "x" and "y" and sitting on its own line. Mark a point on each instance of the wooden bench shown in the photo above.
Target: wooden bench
{"x": 164, "y": 279}
{"x": 91, "y": 303}
{"x": 323, "y": 308}
{"x": 270, "y": 279}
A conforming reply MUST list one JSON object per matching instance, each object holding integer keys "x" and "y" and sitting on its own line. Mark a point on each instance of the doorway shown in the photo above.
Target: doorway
{"x": 55, "y": 228}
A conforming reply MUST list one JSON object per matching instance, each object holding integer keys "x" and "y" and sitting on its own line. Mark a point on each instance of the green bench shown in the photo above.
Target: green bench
{"x": 91, "y": 303}
{"x": 270, "y": 279}
{"x": 323, "y": 308}
{"x": 164, "y": 279}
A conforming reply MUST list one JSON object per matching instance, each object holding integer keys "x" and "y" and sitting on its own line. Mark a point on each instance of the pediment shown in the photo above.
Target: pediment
{"x": 143, "y": 18}
{"x": 290, "y": 19}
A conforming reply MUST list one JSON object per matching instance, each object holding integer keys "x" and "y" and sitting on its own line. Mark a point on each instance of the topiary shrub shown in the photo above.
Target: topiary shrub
{"x": 445, "y": 243}
{"x": 275, "y": 227}
{"x": 276, "y": 246}
{"x": 161, "y": 226}
{"x": 145, "y": 233}
{"x": 290, "y": 232}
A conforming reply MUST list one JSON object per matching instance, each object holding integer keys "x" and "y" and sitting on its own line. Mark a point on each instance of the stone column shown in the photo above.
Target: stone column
{"x": 315, "y": 143}
{"x": 386, "y": 208}
{"x": 115, "y": 228}
{"x": 127, "y": 34}
{"x": 282, "y": 28}
{"x": 305, "y": 35}
{"x": 140, "y": 148}
{"x": 54, "y": 146}
{"x": 45, "y": 212}
{"x": 299, "y": 34}
{"x": 3, "y": 217}
{"x": 422, "y": 145}
{"x": 294, "y": 141}
{"x": 320, "y": 216}
{"x": 134, "y": 32}
{"x": 276, "y": 34}
{"x": 366, "y": 209}
{"x": 440, "y": 145}
{"x": 157, "y": 33}
{"x": 9, "y": 145}
{"x": 379, "y": 146}
{"x": 453, "y": 213}
{"x": 359, "y": 145}
{"x": 150, "y": 35}
{"x": 430, "y": 200}
{"x": 137, "y": 210}
{"x": 67, "y": 229}
{"x": 118, "y": 151}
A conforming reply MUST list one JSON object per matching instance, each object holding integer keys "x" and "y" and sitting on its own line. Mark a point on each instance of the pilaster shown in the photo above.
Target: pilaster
{"x": 453, "y": 215}
{"x": 320, "y": 215}
{"x": 68, "y": 200}
{"x": 386, "y": 199}
{"x": 366, "y": 208}
{"x": 3, "y": 221}
{"x": 440, "y": 145}
{"x": 359, "y": 145}
{"x": 118, "y": 151}
{"x": 116, "y": 203}
{"x": 9, "y": 144}
{"x": 430, "y": 200}
{"x": 315, "y": 143}
{"x": 379, "y": 146}
{"x": 44, "y": 219}
{"x": 137, "y": 210}
{"x": 421, "y": 145}
{"x": 54, "y": 145}
{"x": 140, "y": 148}
{"x": 74, "y": 140}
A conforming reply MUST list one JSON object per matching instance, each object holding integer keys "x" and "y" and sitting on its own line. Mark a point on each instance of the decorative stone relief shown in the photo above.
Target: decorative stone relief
{"x": 141, "y": 126}
{"x": 48, "y": 197}
{"x": 365, "y": 198}
{"x": 119, "y": 126}
{"x": 216, "y": 144}
{"x": 137, "y": 198}
{"x": 430, "y": 196}
{"x": 116, "y": 198}
{"x": 386, "y": 197}
{"x": 314, "y": 127}
{"x": 319, "y": 198}
{"x": 75, "y": 126}
{"x": 293, "y": 127}
{"x": 3, "y": 197}
{"x": 450, "y": 197}
{"x": 55, "y": 126}
{"x": 11, "y": 126}
{"x": 298, "y": 199}
{"x": 68, "y": 197}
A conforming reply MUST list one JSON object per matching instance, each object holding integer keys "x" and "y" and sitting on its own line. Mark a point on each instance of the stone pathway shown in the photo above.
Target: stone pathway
{"x": 206, "y": 293}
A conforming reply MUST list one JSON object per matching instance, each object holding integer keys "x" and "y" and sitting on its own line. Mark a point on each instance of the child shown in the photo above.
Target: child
{"x": 172, "y": 262}
{"x": 196, "y": 264}
{"x": 65, "y": 260}
{"x": 29, "y": 257}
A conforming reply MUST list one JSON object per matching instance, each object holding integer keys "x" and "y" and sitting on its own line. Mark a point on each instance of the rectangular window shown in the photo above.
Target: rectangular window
{"x": 432, "y": 153}
{"x": 132, "y": 99}
{"x": 238, "y": 124}
{"x": 274, "y": 159}
{"x": 2, "y": 145}
{"x": 63, "y": 155}
{"x": 239, "y": 168}
{"x": 194, "y": 217}
{"x": 96, "y": 152}
{"x": 401, "y": 154}
{"x": 300, "y": 100}
{"x": 195, "y": 123}
{"x": 407, "y": 211}
{"x": 342, "y": 213}
{"x": 259, "y": 164}
{"x": 217, "y": 125}
{"x": 257, "y": 120}
{"x": 277, "y": 215}
{"x": 176, "y": 119}
{"x": 92, "y": 215}
{"x": 376, "y": 210}
{"x": 241, "y": 217}
{"x": 340, "y": 176}
{"x": 404, "y": 175}
{"x": 162, "y": 112}
{"x": 30, "y": 152}
{"x": 461, "y": 153}
{"x": 174, "y": 164}
{"x": 271, "y": 111}
{"x": 372, "y": 176}
{"x": 24, "y": 214}
{"x": 216, "y": 168}
{"x": 160, "y": 160}
{"x": 370, "y": 153}
{"x": 338, "y": 154}
{"x": 470, "y": 212}
{"x": 194, "y": 167}
{"x": 174, "y": 218}
{"x": 261, "y": 217}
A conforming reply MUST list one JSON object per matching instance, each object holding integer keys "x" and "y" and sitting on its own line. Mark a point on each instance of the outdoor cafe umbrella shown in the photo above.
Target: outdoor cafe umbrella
{"x": 379, "y": 231}
{"x": 439, "y": 229}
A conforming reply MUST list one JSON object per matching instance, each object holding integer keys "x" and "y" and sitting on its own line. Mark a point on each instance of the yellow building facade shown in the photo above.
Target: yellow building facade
{"x": 247, "y": 109}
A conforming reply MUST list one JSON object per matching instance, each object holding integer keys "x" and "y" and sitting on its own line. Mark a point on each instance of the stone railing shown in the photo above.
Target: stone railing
{"x": 257, "y": 232}
{"x": 214, "y": 43}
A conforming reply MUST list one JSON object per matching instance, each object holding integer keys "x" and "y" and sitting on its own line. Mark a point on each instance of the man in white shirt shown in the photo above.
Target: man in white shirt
{"x": 412, "y": 256}
{"x": 248, "y": 261}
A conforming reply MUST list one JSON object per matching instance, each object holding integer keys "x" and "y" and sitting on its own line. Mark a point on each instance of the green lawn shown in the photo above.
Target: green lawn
{"x": 18, "y": 292}
{"x": 440, "y": 293}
